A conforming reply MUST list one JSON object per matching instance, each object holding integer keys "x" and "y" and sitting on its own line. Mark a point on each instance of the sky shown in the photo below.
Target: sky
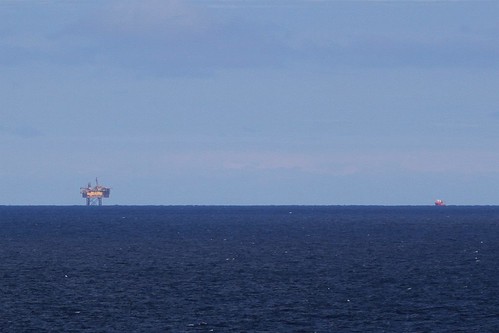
{"x": 250, "y": 102}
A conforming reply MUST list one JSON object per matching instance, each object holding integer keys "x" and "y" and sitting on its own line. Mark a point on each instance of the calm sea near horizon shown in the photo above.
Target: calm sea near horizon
{"x": 249, "y": 269}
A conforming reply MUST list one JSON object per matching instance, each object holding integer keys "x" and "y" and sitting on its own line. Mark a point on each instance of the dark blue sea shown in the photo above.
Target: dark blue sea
{"x": 249, "y": 269}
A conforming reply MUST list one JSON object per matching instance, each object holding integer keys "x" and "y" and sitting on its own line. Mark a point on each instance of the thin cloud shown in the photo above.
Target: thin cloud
{"x": 295, "y": 3}
{"x": 172, "y": 38}
{"x": 151, "y": 16}
{"x": 25, "y": 132}
{"x": 333, "y": 164}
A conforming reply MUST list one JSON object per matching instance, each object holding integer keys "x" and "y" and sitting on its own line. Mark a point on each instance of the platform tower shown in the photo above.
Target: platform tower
{"x": 94, "y": 195}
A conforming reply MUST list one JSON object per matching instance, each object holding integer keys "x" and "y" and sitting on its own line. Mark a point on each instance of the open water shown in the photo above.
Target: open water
{"x": 249, "y": 269}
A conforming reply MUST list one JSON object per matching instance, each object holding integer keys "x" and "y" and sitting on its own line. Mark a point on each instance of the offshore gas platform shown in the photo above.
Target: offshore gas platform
{"x": 95, "y": 194}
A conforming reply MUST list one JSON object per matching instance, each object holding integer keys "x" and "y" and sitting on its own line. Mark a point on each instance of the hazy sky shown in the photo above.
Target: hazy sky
{"x": 249, "y": 101}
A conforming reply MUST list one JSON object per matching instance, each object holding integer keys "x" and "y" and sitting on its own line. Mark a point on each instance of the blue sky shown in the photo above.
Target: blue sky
{"x": 250, "y": 102}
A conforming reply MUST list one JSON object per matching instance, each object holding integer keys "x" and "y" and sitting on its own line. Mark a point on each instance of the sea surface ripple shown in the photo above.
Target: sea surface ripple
{"x": 249, "y": 269}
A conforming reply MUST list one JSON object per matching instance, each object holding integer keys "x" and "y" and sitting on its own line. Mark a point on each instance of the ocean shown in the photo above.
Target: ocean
{"x": 249, "y": 269}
